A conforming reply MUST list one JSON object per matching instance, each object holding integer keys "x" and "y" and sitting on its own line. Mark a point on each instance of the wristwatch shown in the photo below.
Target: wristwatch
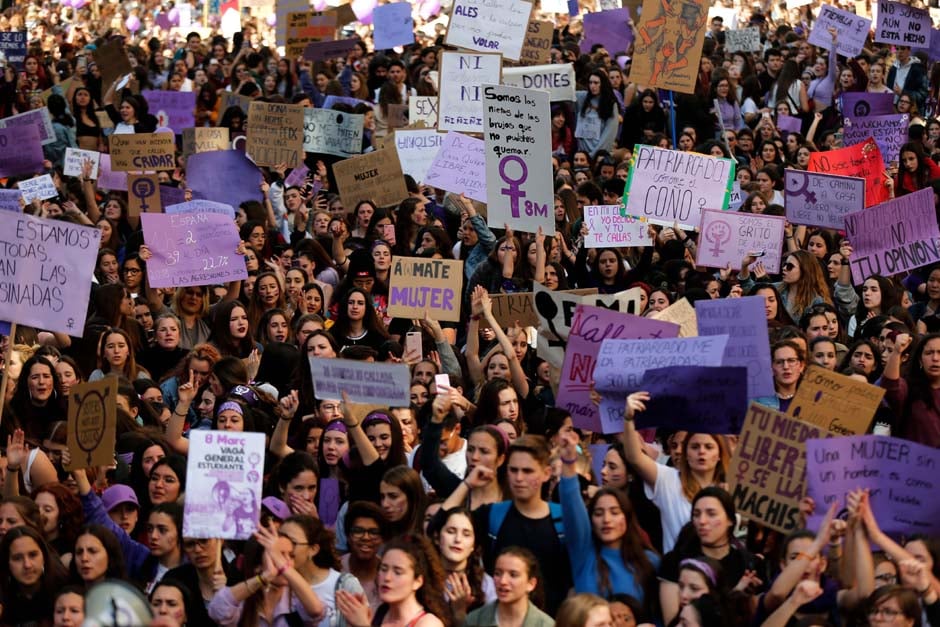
{"x": 844, "y": 261}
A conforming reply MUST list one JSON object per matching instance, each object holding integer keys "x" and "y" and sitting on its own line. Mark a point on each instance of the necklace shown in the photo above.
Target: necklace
{"x": 785, "y": 397}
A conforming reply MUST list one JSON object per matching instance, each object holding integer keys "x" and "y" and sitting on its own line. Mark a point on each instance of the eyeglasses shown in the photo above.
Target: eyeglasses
{"x": 293, "y": 542}
{"x": 131, "y": 270}
{"x": 886, "y": 612}
{"x": 365, "y": 531}
{"x": 789, "y": 361}
{"x": 789, "y": 266}
{"x": 189, "y": 545}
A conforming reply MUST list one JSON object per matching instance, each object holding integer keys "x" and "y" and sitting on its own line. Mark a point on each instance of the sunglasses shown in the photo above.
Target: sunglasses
{"x": 789, "y": 266}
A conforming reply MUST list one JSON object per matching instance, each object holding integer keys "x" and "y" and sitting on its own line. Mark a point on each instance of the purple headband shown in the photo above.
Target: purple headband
{"x": 502, "y": 434}
{"x": 233, "y": 406}
{"x": 377, "y": 416}
{"x": 704, "y": 568}
{"x": 335, "y": 425}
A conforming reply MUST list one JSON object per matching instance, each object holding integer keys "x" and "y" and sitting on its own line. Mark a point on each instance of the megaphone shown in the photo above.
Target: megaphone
{"x": 114, "y": 603}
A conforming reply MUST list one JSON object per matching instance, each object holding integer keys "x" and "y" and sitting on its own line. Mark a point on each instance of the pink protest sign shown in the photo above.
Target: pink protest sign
{"x": 728, "y": 237}
{"x": 192, "y": 249}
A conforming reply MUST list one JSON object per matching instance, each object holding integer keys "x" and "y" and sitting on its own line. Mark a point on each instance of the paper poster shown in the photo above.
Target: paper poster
{"x": 47, "y": 268}
{"x": 667, "y": 186}
{"x": 520, "y": 190}
{"x": 417, "y": 150}
{"x": 460, "y": 167}
{"x": 737, "y": 197}
{"x": 768, "y": 469}
{"x": 75, "y": 158}
{"x": 889, "y": 132}
{"x": 419, "y": 286}
{"x": 10, "y": 201}
{"x": 92, "y": 420}
{"x": 226, "y": 176}
{"x": 205, "y": 139}
{"x": 668, "y": 45}
{"x": 275, "y": 134}
{"x": 332, "y": 132}
{"x": 173, "y": 109}
{"x": 682, "y": 313}
{"x": 383, "y": 384}
{"x": 557, "y": 79}
{"x": 192, "y": 249}
{"x": 323, "y": 50}
{"x": 489, "y": 27}
{"x": 608, "y": 229}
{"x": 199, "y": 205}
{"x": 142, "y": 152}
{"x": 423, "y": 109}
{"x": 305, "y": 26}
{"x": 727, "y": 237}
{"x": 461, "y": 93}
{"x": 225, "y": 476}
{"x": 20, "y": 151}
{"x": 375, "y": 176}
{"x": 698, "y": 399}
{"x": 835, "y": 402}
{"x": 743, "y": 320}
{"x": 108, "y": 178}
{"x": 902, "y": 25}
{"x": 852, "y": 30}
{"x": 894, "y": 237}
{"x": 610, "y": 29}
{"x": 38, "y": 119}
{"x": 861, "y": 104}
{"x": 743, "y": 40}
{"x": 143, "y": 194}
{"x": 817, "y": 199}
{"x": 393, "y": 25}
{"x": 789, "y": 123}
{"x": 537, "y": 45}
{"x": 861, "y": 161}
{"x": 13, "y": 46}
{"x": 38, "y": 188}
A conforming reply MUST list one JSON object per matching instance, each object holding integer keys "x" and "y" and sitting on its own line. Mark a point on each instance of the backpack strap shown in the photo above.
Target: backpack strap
{"x": 557, "y": 520}
{"x": 497, "y": 516}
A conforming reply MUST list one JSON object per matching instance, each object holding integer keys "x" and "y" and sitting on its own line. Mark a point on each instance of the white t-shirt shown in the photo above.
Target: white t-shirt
{"x": 675, "y": 509}
{"x": 326, "y": 590}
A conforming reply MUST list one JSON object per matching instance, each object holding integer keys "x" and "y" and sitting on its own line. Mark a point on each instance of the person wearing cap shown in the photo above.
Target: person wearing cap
{"x": 121, "y": 504}
{"x": 274, "y": 511}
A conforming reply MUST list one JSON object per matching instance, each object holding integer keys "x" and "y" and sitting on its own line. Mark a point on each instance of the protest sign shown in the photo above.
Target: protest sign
{"x": 224, "y": 176}
{"x": 423, "y": 109}
{"x": 518, "y": 159}
{"x": 610, "y": 28}
{"x": 142, "y": 152}
{"x": 861, "y": 161}
{"x": 328, "y": 500}
{"x": 557, "y": 79}
{"x": 297, "y": 177}
{"x": 46, "y": 268}
{"x": 895, "y": 236}
{"x": 275, "y": 134}
{"x": 512, "y": 309}
{"x": 13, "y": 46}
{"x": 860, "y": 104}
{"x": 170, "y": 195}
{"x": 744, "y": 39}
{"x": 789, "y": 123}
{"x": 822, "y": 199}
{"x": 835, "y": 402}
{"x": 682, "y": 313}
{"x": 743, "y": 320}
{"x": 332, "y": 132}
{"x": 768, "y": 468}
{"x": 699, "y": 399}
{"x": 889, "y": 132}
{"x": 489, "y": 26}
{"x": 460, "y": 167}
{"x": 727, "y": 237}
{"x": 235, "y": 100}
{"x": 323, "y": 50}
{"x": 668, "y": 44}
{"x": 192, "y": 249}
{"x": 381, "y": 384}
{"x": 10, "y": 200}
{"x": 375, "y": 176}
{"x": 108, "y": 178}
{"x": 737, "y": 197}
{"x": 205, "y": 139}
{"x": 393, "y": 25}
{"x": 173, "y": 109}
{"x": 143, "y": 194}
{"x": 621, "y": 365}
{"x": 75, "y": 158}
{"x": 38, "y": 188}
{"x": 282, "y": 9}
{"x": 902, "y": 25}
{"x": 416, "y": 150}
{"x": 899, "y": 474}
{"x": 305, "y": 26}
{"x": 418, "y": 286}
{"x": 92, "y": 421}
{"x": 37, "y": 118}
{"x": 608, "y": 229}
{"x": 460, "y": 98}
{"x": 225, "y": 472}
{"x": 667, "y": 186}
{"x": 332, "y": 100}
{"x": 933, "y": 52}
{"x": 591, "y": 326}
{"x": 852, "y": 30}
{"x": 20, "y": 151}
{"x": 397, "y": 116}
{"x": 537, "y": 45}
{"x": 202, "y": 206}
{"x": 112, "y": 61}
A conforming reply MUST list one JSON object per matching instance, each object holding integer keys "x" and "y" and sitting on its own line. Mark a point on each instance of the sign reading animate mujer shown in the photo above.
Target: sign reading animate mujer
{"x": 667, "y": 186}
{"x": 418, "y": 285}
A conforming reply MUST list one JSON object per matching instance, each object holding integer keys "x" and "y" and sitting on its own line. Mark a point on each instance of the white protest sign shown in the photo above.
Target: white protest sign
{"x": 519, "y": 186}
{"x": 461, "y": 96}
{"x": 365, "y": 382}
{"x": 852, "y": 30}
{"x": 557, "y": 79}
{"x": 225, "y": 472}
{"x": 75, "y": 157}
{"x": 729, "y": 236}
{"x": 460, "y": 167}
{"x": 667, "y": 186}
{"x": 737, "y": 197}
{"x": 332, "y": 132}
{"x": 200, "y": 205}
{"x": 608, "y": 229}
{"x": 38, "y": 188}
{"x": 417, "y": 149}
{"x": 745, "y": 39}
{"x": 423, "y": 109}
{"x": 902, "y": 25}
{"x": 488, "y": 26}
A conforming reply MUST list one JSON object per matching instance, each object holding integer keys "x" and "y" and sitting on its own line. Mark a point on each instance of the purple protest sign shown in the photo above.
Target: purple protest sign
{"x": 789, "y": 123}
{"x": 608, "y": 28}
{"x": 172, "y": 195}
{"x": 225, "y": 176}
{"x": 899, "y": 474}
{"x": 198, "y": 205}
{"x": 108, "y": 178}
{"x": 173, "y": 109}
{"x": 889, "y": 132}
{"x": 322, "y": 50}
{"x": 460, "y": 167}
{"x": 296, "y": 177}
{"x": 393, "y": 25}
{"x": 727, "y": 237}
{"x": 817, "y": 199}
{"x": 329, "y": 501}
{"x": 933, "y": 53}
{"x": 10, "y": 200}
{"x": 700, "y": 399}
{"x": 20, "y": 151}
{"x": 329, "y": 101}
{"x": 598, "y": 453}
{"x": 591, "y": 326}
{"x": 859, "y": 104}
{"x": 37, "y": 118}
{"x": 895, "y": 236}
{"x": 192, "y": 249}
{"x": 902, "y": 25}
{"x": 743, "y": 321}
{"x": 47, "y": 282}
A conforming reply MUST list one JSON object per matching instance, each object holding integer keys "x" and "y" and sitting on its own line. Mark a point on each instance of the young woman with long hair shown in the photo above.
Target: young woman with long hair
{"x": 519, "y": 595}
{"x": 467, "y": 587}
{"x": 31, "y": 575}
{"x": 803, "y": 284}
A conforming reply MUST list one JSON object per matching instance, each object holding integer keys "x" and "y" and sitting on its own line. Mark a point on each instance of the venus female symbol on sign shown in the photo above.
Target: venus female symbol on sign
{"x": 718, "y": 233}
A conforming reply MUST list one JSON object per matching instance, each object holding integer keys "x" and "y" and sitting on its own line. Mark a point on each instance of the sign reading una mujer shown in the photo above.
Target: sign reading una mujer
{"x": 895, "y": 236}
{"x": 418, "y": 285}
{"x": 667, "y": 186}
{"x": 45, "y": 272}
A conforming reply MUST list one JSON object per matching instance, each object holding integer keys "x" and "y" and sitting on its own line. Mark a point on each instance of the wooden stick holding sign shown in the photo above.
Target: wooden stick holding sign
{"x": 6, "y": 365}
{"x": 92, "y": 421}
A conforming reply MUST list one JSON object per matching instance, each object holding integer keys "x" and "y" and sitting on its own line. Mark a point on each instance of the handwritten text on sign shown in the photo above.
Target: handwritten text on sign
{"x": 835, "y": 402}
{"x": 889, "y": 131}
{"x": 817, "y": 199}
{"x": 743, "y": 321}
{"x": 728, "y": 236}
{"x": 142, "y": 151}
{"x": 192, "y": 249}
{"x": 902, "y": 25}
{"x": 364, "y": 382}
{"x": 375, "y": 176}
{"x": 852, "y": 30}
{"x": 332, "y": 132}
{"x": 38, "y": 119}
{"x": 419, "y": 286}
{"x": 489, "y": 26}
{"x": 608, "y": 229}
{"x": 275, "y": 133}
{"x": 557, "y": 79}
{"x": 862, "y": 161}
{"x": 92, "y": 418}
{"x": 461, "y": 93}
{"x": 460, "y": 167}
{"x": 416, "y": 150}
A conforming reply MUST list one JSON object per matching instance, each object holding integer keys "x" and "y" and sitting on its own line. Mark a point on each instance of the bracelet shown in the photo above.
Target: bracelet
{"x": 466, "y": 484}
{"x": 282, "y": 570}
{"x": 262, "y": 581}
{"x": 569, "y": 461}
{"x": 627, "y": 417}
{"x": 176, "y": 413}
{"x": 13, "y": 469}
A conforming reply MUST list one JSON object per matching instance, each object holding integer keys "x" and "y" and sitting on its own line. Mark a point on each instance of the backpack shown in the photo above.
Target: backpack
{"x": 498, "y": 512}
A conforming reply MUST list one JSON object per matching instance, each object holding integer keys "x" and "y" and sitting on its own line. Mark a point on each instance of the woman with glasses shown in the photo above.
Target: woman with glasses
{"x": 205, "y": 570}
{"x": 363, "y": 529}
{"x": 788, "y": 361}
{"x": 803, "y": 283}
{"x": 907, "y": 105}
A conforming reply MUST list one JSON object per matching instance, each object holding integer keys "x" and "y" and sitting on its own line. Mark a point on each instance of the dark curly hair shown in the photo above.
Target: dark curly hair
{"x": 71, "y": 517}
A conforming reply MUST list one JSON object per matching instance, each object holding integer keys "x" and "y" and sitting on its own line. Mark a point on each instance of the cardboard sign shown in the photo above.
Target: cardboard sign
{"x": 282, "y": 9}
{"x": 461, "y": 93}
{"x": 37, "y": 118}
{"x": 514, "y": 308}
{"x": 75, "y": 159}
{"x": 143, "y": 194}
{"x": 173, "y": 109}
{"x": 489, "y": 27}
{"x": 727, "y": 237}
{"x": 852, "y": 30}
{"x": 393, "y": 25}
{"x": 13, "y": 46}
{"x": 92, "y": 420}
{"x": 10, "y": 200}
{"x": 835, "y": 402}
{"x": 861, "y": 161}
{"x": 666, "y": 186}
{"x": 225, "y": 476}
{"x": 112, "y": 62}
{"x": 332, "y": 132}
{"x": 375, "y": 176}
{"x": 889, "y": 132}
{"x": 275, "y": 134}
{"x": 768, "y": 468}
{"x": 323, "y": 50}
{"x": 682, "y": 313}
{"x": 860, "y": 104}
{"x": 895, "y": 236}
{"x": 108, "y": 178}
{"x": 822, "y": 199}
{"x": 20, "y": 151}
{"x": 698, "y": 399}
{"x": 609, "y": 28}
{"x": 423, "y": 109}
{"x": 608, "y": 229}
{"x": 192, "y": 249}
{"x": 417, "y": 150}
{"x": 38, "y": 188}
{"x": 748, "y": 342}
{"x": 557, "y": 79}
{"x": 902, "y": 25}
{"x": 680, "y": 27}
{"x": 205, "y": 139}
{"x": 224, "y": 176}
{"x": 520, "y": 192}
{"x": 460, "y": 167}
{"x": 380, "y": 384}
{"x": 202, "y": 206}
{"x": 537, "y": 45}
{"x": 744, "y": 40}
{"x": 305, "y": 26}
{"x": 235, "y": 100}
{"x": 142, "y": 152}
{"x": 419, "y": 286}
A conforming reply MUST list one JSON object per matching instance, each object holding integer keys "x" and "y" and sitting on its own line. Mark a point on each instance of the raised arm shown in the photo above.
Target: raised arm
{"x": 474, "y": 364}
{"x": 286, "y": 409}
{"x": 645, "y": 467}
{"x": 517, "y": 374}
{"x": 353, "y": 415}
{"x": 539, "y": 276}
{"x": 174, "y": 428}
{"x": 793, "y": 572}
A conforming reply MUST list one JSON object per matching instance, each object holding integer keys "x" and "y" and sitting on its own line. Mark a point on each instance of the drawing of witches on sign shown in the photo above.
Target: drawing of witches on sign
{"x": 669, "y": 43}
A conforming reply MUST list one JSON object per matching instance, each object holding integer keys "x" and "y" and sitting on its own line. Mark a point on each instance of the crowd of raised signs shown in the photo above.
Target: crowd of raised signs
{"x": 492, "y": 315}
